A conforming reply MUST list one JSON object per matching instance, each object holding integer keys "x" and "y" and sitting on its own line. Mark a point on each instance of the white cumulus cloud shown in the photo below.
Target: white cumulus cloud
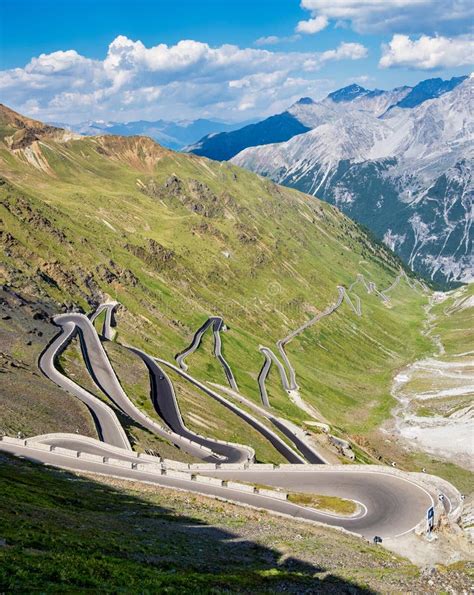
{"x": 346, "y": 51}
{"x": 185, "y": 80}
{"x": 312, "y": 25}
{"x": 427, "y": 53}
{"x": 448, "y": 17}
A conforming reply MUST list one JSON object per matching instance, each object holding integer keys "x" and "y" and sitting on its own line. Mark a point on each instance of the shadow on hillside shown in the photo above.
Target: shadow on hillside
{"x": 141, "y": 545}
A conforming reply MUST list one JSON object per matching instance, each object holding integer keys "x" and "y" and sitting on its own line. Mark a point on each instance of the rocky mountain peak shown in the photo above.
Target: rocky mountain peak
{"x": 348, "y": 93}
{"x": 305, "y": 101}
{"x": 406, "y": 172}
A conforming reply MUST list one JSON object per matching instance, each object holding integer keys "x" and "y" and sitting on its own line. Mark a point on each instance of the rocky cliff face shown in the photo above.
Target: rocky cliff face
{"x": 404, "y": 172}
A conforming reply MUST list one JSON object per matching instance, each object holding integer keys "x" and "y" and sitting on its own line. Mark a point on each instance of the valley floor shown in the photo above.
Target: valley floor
{"x": 435, "y": 394}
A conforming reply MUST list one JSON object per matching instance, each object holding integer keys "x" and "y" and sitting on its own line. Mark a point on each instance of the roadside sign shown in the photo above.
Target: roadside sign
{"x": 430, "y": 518}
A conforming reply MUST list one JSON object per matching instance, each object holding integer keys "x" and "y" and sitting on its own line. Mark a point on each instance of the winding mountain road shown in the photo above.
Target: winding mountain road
{"x": 390, "y": 504}
{"x": 288, "y": 381}
{"x": 393, "y": 505}
{"x": 104, "y": 377}
{"x": 286, "y": 427}
{"x": 109, "y": 322}
{"x": 107, "y": 423}
{"x": 163, "y": 398}
{"x": 166, "y": 405}
{"x": 290, "y": 455}
{"x": 217, "y": 325}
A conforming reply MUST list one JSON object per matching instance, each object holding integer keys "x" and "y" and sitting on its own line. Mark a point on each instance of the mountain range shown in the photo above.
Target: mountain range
{"x": 398, "y": 161}
{"x": 174, "y": 135}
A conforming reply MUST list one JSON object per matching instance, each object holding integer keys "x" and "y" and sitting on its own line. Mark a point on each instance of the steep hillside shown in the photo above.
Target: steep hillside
{"x": 406, "y": 173}
{"x": 176, "y": 238}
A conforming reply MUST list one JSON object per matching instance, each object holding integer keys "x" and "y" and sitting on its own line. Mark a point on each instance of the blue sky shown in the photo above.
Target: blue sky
{"x": 116, "y": 59}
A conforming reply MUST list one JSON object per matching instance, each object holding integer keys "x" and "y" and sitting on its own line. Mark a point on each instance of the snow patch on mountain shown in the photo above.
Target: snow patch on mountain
{"x": 392, "y": 240}
{"x": 414, "y": 164}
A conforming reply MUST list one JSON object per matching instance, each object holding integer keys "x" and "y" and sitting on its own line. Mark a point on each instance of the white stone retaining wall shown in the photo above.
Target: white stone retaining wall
{"x": 146, "y": 467}
{"x": 63, "y": 451}
{"x": 39, "y": 446}
{"x": 264, "y": 467}
{"x": 18, "y": 441}
{"x": 119, "y": 462}
{"x": 151, "y": 467}
{"x": 203, "y": 467}
{"x": 179, "y": 470}
{"x": 168, "y": 463}
{"x": 242, "y": 487}
{"x": 279, "y": 495}
{"x": 232, "y": 466}
{"x": 213, "y": 481}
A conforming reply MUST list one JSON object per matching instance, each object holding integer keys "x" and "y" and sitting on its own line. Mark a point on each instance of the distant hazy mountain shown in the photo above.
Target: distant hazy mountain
{"x": 398, "y": 161}
{"x": 174, "y": 135}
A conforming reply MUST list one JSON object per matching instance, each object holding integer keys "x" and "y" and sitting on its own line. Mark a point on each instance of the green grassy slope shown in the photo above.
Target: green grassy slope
{"x": 453, "y": 322}
{"x": 176, "y": 238}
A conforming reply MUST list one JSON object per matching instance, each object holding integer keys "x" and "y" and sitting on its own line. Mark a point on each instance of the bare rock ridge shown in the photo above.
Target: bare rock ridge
{"x": 19, "y": 132}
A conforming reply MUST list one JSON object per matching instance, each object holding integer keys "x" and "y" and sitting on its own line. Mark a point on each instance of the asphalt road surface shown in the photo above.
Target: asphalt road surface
{"x": 217, "y": 325}
{"x": 166, "y": 405}
{"x": 390, "y": 506}
{"x": 105, "y": 378}
{"x": 107, "y": 423}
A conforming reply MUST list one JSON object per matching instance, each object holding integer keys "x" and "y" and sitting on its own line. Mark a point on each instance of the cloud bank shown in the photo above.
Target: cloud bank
{"x": 447, "y": 17}
{"x": 179, "y": 81}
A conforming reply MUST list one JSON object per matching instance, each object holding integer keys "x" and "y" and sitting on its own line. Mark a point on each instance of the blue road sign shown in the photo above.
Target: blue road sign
{"x": 430, "y": 518}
